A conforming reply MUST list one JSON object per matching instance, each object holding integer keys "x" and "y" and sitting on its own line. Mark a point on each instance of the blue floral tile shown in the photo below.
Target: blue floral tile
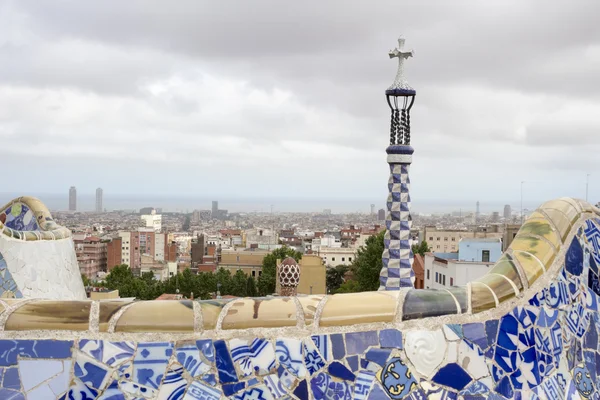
{"x": 583, "y": 382}
{"x": 225, "y": 367}
{"x": 390, "y": 339}
{"x": 312, "y": 358}
{"x": 260, "y": 392}
{"x": 199, "y": 391}
{"x": 150, "y": 363}
{"x": 322, "y": 343}
{"x": 113, "y": 392}
{"x": 359, "y": 342}
{"x": 397, "y": 380}
{"x": 289, "y": 354}
{"x": 110, "y": 353}
{"x": 508, "y": 334}
{"x": 136, "y": 391}
{"x": 324, "y": 387}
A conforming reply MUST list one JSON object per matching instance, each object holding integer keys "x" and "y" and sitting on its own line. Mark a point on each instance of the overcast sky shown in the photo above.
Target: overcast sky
{"x": 273, "y": 98}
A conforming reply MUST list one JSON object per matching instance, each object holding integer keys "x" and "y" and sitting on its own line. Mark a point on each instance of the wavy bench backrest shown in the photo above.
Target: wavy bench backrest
{"x": 527, "y": 330}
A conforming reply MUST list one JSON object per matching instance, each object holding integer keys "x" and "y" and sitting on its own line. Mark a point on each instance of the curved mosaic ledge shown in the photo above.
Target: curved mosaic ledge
{"x": 27, "y": 218}
{"x": 527, "y": 330}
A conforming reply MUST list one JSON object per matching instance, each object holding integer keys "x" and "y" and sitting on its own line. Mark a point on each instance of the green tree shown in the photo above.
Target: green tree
{"x": 421, "y": 248}
{"x": 223, "y": 277}
{"x": 349, "y": 287}
{"x": 367, "y": 264}
{"x": 86, "y": 281}
{"x": 251, "y": 290}
{"x": 335, "y": 277}
{"x": 267, "y": 280}
{"x": 238, "y": 284}
{"x": 119, "y": 277}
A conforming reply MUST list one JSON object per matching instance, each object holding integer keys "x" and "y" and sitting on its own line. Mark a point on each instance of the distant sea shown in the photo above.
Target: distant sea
{"x": 59, "y": 202}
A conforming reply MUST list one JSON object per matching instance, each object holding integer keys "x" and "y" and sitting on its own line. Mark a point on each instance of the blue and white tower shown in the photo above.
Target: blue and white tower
{"x": 397, "y": 256}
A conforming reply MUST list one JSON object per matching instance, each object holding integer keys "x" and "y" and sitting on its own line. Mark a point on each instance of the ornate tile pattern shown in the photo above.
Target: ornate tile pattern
{"x": 545, "y": 347}
{"x": 397, "y": 255}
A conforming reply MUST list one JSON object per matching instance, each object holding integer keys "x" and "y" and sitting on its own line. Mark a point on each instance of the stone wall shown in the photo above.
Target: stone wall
{"x": 526, "y": 330}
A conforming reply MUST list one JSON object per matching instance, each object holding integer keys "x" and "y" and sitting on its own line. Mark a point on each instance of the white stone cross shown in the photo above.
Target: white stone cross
{"x": 400, "y": 81}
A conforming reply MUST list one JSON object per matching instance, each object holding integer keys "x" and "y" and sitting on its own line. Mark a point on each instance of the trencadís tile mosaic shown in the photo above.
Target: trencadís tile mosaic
{"x": 545, "y": 349}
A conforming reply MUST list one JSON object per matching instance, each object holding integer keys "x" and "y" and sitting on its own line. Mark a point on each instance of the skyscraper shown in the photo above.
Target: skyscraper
{"x": 507, "y": 211}
{"x": 372, "y": 209}
{"x": 72, "y": 198}
{"x": 215, "y": 208}
{"x": 477, "y": 214}
{"x": 99, "y": 200}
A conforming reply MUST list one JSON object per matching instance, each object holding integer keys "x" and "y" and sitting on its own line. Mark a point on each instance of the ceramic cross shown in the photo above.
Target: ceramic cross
{"x": 401, "y": 54}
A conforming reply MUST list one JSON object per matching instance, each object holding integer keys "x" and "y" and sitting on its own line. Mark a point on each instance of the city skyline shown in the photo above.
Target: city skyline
{"x": 193, "y": 111}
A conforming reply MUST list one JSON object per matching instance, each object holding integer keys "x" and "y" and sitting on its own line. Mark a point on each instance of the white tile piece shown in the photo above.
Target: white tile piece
{"x": 472, "y": 360}
{"x": 34, "y": 372}
{"x": 425, "y": 350}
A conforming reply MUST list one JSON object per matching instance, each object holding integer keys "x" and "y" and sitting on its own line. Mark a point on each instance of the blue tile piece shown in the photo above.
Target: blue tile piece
{"x": 338, "y": 370}
{"x": 289, "y": 354}
{"x": 505, "y": 388}
{"x": 11, "y": 349}
{"x": 112, "y": 392}
{"x": 475, "y": 333}
{"x": 363, "y": 384}
{"x": 9, "y": 394}
{"x": 574, "y": 258}
{"x": 232, "y": 388}
{"x": 90, "y": 372}
{"x": 352, "y": 362}
{"x": 301, "y": 390}
{"x": 390, "y": 338}
{"x": 199, "y": 391}
{"x": 79, "y": 391}
{"x": 397, "y": 380}
{"x": 452, "y": 375}
{"x": 337, "y": 346}
{"x": 189, "y": 357}
{"x": 491, "y": 331}
{"x": 260, "y": 392}
{"x": 324, "y": 387}
{"x": 377, "y": 393}
{"x": 378, "y": 356}
{"x": 358, "y": 342}
{"x": 312, "y": 358}
{"x": 591, "y": 338}
{"x": 11, "y": 379}
{"x": 150, "y": 363}
{"x": 508, "y": 332}
{"x": 211, "y": 379}
{"x": 206, "y": 348}
{"x": 322, "y": 343}
{"x": 456, "y": 328}
{"x": 225, "y": 367}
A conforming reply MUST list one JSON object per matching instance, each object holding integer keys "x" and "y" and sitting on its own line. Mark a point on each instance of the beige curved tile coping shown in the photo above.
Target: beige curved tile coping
{"x": 532, "y": 252}
{"x": 158, "y": 316}
{"x": 260, "y": 313}
{"x": 50, "y": 315}
{"x": 359, "y": 308}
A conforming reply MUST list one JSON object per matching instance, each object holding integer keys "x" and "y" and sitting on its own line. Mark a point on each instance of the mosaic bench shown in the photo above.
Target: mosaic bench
{"x": 526, "y": 330}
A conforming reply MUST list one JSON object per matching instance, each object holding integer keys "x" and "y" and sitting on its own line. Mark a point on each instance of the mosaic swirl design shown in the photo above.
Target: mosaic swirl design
{"x": 27, "y": 218}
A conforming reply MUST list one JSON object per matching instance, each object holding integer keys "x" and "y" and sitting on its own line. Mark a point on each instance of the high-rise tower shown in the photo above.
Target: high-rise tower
{"x": 72, "y": 198}
{"x": 397, "y": 254}
{"x": 99, "y": 200}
